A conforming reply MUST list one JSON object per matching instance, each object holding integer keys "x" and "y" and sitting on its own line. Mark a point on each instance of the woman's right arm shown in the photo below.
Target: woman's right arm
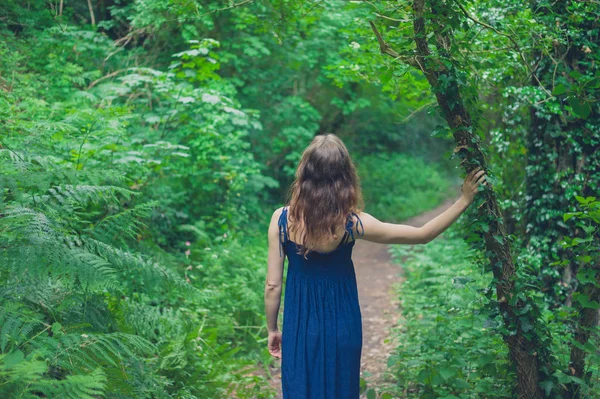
{"x": 390, "y": 233}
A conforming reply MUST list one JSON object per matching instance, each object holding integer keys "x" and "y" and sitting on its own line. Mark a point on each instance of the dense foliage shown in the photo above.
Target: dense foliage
{"x": 144, "y": 143}
{"x": 138, "y": 159}
{"x": 525, "y": 81}
{"x": 448, "y": 347}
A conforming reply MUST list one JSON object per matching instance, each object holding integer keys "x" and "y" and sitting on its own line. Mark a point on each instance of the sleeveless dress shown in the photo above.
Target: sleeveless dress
{"x": 322, "y": 323}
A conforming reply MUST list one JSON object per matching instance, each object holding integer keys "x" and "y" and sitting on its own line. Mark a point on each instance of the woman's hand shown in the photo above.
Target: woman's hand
{"x": 471, "y": 184}
{"x": 275, "y": 343}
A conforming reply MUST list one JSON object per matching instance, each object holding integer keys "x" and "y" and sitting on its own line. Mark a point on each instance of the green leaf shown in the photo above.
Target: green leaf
{"x": 371, "y": 394}
{"x": 547, "y": 386}
{"x": 423, "y": 376}
{"x": 581, "y": 108}
{"x": 559, "y": 89}
{"x": 569, "y": 215}
{"x": 440, "y": 131}
{"x": 585, "y": 302}
{"x": 587, "y": 276}
{"x": 526, "y": 324}
{"x": 461, "y": 384}
{"x": 575, "y": 74}
{"x": 56, "y": 328}
{"x": 447, "y": 373}
{"x": 585, "y": 200}
{"x": 461, "y": 281}
{"x": 590, "y": 347}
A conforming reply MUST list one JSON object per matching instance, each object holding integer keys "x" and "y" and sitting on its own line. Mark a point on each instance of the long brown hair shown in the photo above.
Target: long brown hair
{"x": 325, "y": 192}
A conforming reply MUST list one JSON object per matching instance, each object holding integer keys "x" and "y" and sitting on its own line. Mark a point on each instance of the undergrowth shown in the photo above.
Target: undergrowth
{"x": 447, "y": 346}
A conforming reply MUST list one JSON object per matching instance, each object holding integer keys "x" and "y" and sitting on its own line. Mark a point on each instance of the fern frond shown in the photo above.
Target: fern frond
{"x": 123, "y": 225}
{"x": 24, "y": 377}
{"x": 149, "y": 271}
{"x": 84, "y": 194}
{"x": 20, "y": 375}
{"x": 155, "y": 323}
{"x": 76, "y": 352}
{"x": 38, "y": 244}
{"x": 17, "y": 325}
{"x": 29, "y": 223}
{"x": 94, "y": 271}
{"x": 90, "y": 386}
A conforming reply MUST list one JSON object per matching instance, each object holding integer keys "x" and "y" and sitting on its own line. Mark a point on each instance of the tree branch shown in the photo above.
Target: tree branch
{"x": 227, "y": 8}
{"x": 110, "y": 75}
{"x": 92, "y": 16}
{"x": 387, "y": 49}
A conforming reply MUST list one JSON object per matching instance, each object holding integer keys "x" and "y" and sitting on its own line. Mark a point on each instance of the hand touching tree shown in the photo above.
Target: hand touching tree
{"x": 471, "y": 184}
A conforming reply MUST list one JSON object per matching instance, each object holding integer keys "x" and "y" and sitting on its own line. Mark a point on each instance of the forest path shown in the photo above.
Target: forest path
{"x": 377, "y": 278}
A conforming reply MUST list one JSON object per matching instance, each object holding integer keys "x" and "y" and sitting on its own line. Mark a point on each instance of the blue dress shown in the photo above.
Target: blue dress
{"x": 322, "y": 323}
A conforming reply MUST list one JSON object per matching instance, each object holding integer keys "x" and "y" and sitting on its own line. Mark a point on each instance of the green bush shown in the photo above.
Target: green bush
{"x": 398, "y": 186}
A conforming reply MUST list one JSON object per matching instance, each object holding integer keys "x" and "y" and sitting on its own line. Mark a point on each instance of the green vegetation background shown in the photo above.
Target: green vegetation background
{"x": 144, "y": 147}
{"x": 140, "y": 165}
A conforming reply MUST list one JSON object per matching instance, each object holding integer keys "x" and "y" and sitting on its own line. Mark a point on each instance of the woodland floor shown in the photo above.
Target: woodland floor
{"x": 378, "y": 282}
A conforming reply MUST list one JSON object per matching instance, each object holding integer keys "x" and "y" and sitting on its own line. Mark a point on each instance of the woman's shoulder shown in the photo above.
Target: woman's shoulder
{"x": 277, "y": 214}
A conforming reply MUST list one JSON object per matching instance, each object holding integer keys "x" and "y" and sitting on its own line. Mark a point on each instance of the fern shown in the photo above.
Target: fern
{"x": 17, "y": 323}
{"x": 21, "y": 375}
{"x": 92, "y": 301}
{"x": 93, "y": 263}
{"x": 83, "y": 194}
{"x": 25, "y": 377}
{"x": 142, "y": 268}
{"x": 123, "y": 226}
{"x": 90, "y": 386}
{"x": 87, "y": 351}
{"x": 63, "y": 247}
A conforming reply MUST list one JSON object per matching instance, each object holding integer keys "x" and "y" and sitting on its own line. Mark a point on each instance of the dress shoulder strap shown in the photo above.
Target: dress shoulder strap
{"x": 350, "y": 225}
{"x": 283, "y": 229}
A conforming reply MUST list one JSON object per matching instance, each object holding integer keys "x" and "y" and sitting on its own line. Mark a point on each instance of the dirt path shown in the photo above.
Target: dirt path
{"x": 377, "y": 278}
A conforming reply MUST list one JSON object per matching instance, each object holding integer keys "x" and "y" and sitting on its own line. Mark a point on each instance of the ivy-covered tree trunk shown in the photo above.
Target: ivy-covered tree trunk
{"x": 563, "y": 161}
{"x": 561, "y": 150}
{"x": 440, "y": 70}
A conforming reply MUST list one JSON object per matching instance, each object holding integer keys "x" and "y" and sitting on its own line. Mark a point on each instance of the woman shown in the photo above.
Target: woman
{"x": 320, "y": 346}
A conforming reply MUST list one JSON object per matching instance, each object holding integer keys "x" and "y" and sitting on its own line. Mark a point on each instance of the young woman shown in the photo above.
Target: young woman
{"x": 321, "y": 342}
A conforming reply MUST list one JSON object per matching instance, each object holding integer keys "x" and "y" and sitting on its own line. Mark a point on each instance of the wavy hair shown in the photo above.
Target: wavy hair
{"x": 325, "y": 192}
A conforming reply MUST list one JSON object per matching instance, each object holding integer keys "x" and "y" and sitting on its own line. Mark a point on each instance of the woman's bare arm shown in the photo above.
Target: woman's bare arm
{"x": 274, "y": 280}
{"x": 390, "y": 233}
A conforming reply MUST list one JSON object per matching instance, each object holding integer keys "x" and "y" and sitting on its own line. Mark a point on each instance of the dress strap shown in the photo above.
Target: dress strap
{"x": 350, "y": 224}
{"x": 283, "y": 229}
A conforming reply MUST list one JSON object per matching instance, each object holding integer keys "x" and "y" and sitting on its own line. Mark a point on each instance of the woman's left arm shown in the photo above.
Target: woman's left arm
{"x": 273, "y": 285}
